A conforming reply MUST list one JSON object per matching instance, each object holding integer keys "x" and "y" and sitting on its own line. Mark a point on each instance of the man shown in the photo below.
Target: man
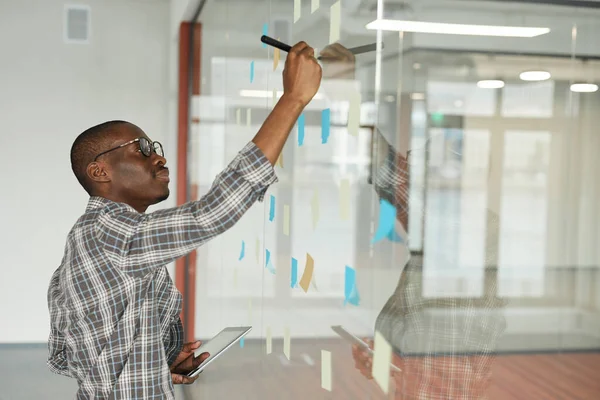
{"x": 114, "y": 310}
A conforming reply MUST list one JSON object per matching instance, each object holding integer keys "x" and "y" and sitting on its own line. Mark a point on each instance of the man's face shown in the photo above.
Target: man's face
{"x": 135, "y": 178}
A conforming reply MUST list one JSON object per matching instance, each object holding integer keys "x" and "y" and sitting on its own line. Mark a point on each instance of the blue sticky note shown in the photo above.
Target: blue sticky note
{"x": 301, "y": 130}
{"x": 272, "y": 209}
{"x": 394, "y": 237}
{"x": 350, "y": 291}
{"x": 387, "y": 217}
{"x": 243, "y": 251}
{"x": 294, "y": 272}
{"x": 242, "y": 343}
{"x": 251, "y": 71}
{"x": 265, "y": 32}
{"x": 268, "y": 264}
{"x": 325, "y": 124}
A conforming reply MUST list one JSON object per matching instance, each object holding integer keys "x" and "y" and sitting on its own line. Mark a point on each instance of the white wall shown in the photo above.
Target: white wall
{"x": 50, "y": 92}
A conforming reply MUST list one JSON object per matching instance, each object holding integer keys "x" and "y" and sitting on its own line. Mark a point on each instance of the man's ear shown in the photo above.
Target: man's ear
{"x": 98, "y": 172}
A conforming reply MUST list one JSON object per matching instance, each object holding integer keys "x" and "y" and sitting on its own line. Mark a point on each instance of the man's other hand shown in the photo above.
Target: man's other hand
{"x": 186, "y": 362}
{"x": 301, "y": 74}
{"x": 338, "y": 62}
{"x": 363, "y": 361}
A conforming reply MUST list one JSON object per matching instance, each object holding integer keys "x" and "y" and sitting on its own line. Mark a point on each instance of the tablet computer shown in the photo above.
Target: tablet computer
{"x": 217, "y": 346}
{"x": 355, "y": 340}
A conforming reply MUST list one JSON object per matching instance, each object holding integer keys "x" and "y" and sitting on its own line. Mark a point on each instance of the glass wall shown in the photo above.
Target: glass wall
{"x": 490, "y": 284}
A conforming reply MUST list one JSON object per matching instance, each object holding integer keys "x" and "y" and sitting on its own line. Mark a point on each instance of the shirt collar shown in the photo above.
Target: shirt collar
{"x": 99, "y": 202}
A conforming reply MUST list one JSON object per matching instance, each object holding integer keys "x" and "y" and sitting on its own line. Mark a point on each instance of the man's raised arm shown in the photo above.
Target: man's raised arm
{"x": 139, "y": 243}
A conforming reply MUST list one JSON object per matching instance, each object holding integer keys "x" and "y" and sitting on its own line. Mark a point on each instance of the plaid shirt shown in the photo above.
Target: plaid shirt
{"x": 444, "y": 346}
{"x": 114, "y": 310}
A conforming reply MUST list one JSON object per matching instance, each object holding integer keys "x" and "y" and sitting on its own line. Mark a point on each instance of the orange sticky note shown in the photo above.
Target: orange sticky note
{"x": 308, "y": 273}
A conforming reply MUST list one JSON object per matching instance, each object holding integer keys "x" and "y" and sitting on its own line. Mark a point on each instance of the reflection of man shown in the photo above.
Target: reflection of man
{"x": 114, "y": 311}
{"x": 444, "y": 346}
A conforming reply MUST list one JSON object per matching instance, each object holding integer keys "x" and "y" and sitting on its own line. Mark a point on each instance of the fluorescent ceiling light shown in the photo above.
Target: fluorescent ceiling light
{"x": 490, "y": 84}
{"x": 417, "y": 96}
{"x": 584, "y": 87}
{"x": 535, "y": 75}
{"x": 267, "y": 94}
{"x": 455, "y": 29}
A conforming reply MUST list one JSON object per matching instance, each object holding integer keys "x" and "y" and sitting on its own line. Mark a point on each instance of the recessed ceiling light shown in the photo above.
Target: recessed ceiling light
{"x": 535, "y": 75}
{"x": 490, "y": 84}
{"x": 584, "y": 87}
{"x": 455, "y": 29}
{"x": 417, "y": 96}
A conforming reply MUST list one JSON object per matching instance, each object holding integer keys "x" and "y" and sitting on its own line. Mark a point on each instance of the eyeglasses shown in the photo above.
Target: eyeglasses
{"x": 146, "y": 147}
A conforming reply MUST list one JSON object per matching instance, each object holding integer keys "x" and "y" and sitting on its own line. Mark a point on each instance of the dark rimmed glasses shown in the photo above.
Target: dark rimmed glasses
{"x": 146, "y": 147}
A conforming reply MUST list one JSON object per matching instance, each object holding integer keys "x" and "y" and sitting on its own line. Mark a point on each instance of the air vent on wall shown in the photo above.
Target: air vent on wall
{"x": 77, "y": 24}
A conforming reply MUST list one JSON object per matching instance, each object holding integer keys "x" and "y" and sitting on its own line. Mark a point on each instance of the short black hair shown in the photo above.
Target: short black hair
{"x": 87, "y": 145}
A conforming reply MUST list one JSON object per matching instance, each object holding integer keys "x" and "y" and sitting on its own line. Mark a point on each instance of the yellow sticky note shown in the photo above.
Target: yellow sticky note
{"x": 297, "y": 10}
{"x": 257, "y": 251}
{"x": 248, "y": 117}
{"x": 308, "y": 273}
{"x": 238, "y": 116}
{"x": 275, "y": 58}
{"x": 314, "y": 205}
{"x": 269, "y": 341}
{"x": 335, "y": 18}
{"x": 286, "y": 220}
{"x": 344, "y": 199}
{"x": 326, "y": 370}
{"x": 279, "y": 161}
{"x": 354, "y": 114}
{"x": 286, "y": 342}
{"x": 314, "y": 6}
{"x": 382, "y": 358}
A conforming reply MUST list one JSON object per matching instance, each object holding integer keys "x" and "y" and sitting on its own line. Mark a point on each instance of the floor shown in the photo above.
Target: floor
{"x": 248, "y": 373}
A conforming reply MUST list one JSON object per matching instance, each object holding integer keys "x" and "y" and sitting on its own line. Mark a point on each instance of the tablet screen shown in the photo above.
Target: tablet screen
{"x": 218, "y": 344}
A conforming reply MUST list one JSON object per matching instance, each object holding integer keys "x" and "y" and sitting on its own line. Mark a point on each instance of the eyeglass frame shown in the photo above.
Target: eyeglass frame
{"x": 152, "y": 144}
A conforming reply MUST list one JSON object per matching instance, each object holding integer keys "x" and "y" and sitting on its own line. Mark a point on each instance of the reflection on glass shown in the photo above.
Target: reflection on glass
{"x": 528, "y": 100}
{"x": 522, "y": 254}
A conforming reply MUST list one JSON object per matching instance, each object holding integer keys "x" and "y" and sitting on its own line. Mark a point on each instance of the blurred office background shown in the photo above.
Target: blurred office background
{"x": 504, "y": 183}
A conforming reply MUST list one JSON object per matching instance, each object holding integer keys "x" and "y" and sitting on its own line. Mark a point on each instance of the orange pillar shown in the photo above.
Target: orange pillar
{"x": 186, "y": 72}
